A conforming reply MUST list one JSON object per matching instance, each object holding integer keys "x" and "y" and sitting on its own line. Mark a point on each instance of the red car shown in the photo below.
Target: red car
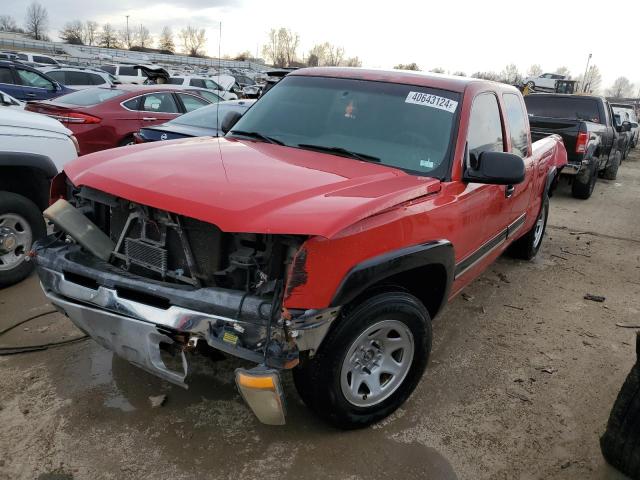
{"x": 102, "y": 118}
{"x": 322, "y": 234}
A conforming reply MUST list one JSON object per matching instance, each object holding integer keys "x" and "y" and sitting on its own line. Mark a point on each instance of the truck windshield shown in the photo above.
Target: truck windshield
{"x": 403, "y": 126}
{"x": 578, "y": 108}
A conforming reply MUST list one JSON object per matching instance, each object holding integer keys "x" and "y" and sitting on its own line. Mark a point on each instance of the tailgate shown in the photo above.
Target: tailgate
{"x": 568, "y": 129}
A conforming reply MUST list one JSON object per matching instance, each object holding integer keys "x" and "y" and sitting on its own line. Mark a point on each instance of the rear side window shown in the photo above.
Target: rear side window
{"x": 578, "y": 108}
{"x": 59, "y": 77}
{"x": 517, "y": 125}
{"x": 129, "y": 71}
{"x": 485, "y": 127}
{"x": 176, "y": 81}
{"x": 132, "y": 104}
{"x": 159, "y": 102}
{"x": 90, "y": 96}
{"x": 5, "y": 75}
{"x": 192, "y": 103}
{"x": 95, "y": 79}
{"x": 197, "y": 82}
{"x": 109, "y": 69}
{"x": 47, "y": 60}
{"x": 78, "y": 78}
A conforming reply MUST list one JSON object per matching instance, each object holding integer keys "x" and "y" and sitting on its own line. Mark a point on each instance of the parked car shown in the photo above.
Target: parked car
{"x": 33, "y": 149}
{"x": 7, "y": 100}
{"x": 545, "y": 81}
{"x": 125, "y": 73}
{"x": 27, "y": 83}
{"x": 203, "y": 82}
{"x": 79, "y": 78}
{"x": 628, "y": 113}
{"x": 36, "y": 58}
{"x": 104, "y": 117}
{"x": 203, "y": 122}
{"x": 595, "y": 144}
{"x": 322, "y": 233}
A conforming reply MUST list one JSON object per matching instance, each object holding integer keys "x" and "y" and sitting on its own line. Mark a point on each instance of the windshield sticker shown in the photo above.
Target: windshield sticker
{"x": 433, "y": 101}
{"x": 426, "y": 163}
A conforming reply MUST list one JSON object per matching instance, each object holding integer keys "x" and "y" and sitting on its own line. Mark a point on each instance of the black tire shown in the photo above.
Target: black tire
{"x": 127, "y": 141}
{"x": 620, "y": 443}
{"x": 317, "y": 379}
{"x": 526, "y": 246}
{"x": 11, "y": 203}
{"x": 583, "y": 185}
{"x": 531, "y": 85}
{"x": 611, "y": 172}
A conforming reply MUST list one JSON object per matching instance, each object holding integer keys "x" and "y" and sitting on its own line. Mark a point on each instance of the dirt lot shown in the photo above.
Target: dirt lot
{"x": 523, "y": 374}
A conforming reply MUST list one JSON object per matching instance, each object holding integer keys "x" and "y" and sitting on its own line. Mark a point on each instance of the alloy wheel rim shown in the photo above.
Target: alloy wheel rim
{"x": 15, "y": 240}
{"x": 537, "y": 236}
{"x": 377, "y": 363}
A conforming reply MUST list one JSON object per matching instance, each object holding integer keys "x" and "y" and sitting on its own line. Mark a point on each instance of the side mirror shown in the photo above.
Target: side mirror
{"x": 626, "y": 126}
{"x": 4, "y": 100}
{"x": 229, "y": 120}
{"x": 495, "y": 168}
{"x": 56, "y": 87}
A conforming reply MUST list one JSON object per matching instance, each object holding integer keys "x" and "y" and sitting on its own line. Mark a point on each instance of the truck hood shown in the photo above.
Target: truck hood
{"x": 10, "y": 117}
{"x": 247, "y": 186}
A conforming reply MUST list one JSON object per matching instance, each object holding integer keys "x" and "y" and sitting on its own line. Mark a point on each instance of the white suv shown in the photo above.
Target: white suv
{"x": 125, "y": 73}
{"x": 36, "y": 58}
{"x": 203, "y": 82}
{"x": 79, "y": 78}
{"x": 33, "y": 149}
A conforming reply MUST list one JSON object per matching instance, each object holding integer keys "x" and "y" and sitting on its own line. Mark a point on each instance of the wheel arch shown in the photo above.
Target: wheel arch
{"x": 27, "y": 174}
{"x": 425, "y": 270}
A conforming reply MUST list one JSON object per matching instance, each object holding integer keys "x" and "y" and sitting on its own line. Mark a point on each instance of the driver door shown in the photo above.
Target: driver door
{"x": 35, "y": 86}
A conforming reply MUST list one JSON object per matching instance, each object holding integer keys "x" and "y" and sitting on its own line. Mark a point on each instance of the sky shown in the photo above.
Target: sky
{"x": 466, "y": 36}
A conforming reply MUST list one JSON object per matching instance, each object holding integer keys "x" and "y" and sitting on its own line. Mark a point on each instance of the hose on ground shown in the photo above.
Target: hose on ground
{"x": 36, "y": 347}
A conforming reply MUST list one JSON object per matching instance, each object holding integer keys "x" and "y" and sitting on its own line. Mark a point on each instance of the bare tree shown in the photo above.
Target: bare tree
{"x": 73, "y": 32}
{"x": 193, "y": 40}
{"x": 166, "y": 40}
{"x": 437, "y": 70}
{"x": 511, "y": 75}
{"x": 243, "y": 56}
{"x": 564, "y": 71}
{"x": 90, "y": 32}
{"x": 335, "y": 55}
{"x": 407, "y": 66}
{"x": 459, "y": 73}
{"x": 144, "y": 37}
{"x": 281, "y": 47}
{"x": 8, "y": 24}
{"x": 621, "y": 88}
{"x": 535, "y": 70}
{"x": 128, "y": 37}
{"x": 486, "y": 76}
{"x": 317, "y": 55}
{"x": 593, "y": 80}
{"x": 36, "y": 21}
{"x": 353, "y": 62}
{"x": 108, "y": 37}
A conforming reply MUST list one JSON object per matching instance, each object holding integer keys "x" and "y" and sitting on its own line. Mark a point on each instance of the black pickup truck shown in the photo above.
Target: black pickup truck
{"x": 594, "y": 143}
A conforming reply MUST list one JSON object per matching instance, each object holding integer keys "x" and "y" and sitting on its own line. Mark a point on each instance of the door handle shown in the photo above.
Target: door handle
{"x": 149, "y": 119}
{"x": 31, "y": 94}
{"x": 508, "y": 190}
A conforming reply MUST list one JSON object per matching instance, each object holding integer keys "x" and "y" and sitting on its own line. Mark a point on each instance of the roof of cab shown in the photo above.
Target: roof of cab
{"x": 446, "y": 82}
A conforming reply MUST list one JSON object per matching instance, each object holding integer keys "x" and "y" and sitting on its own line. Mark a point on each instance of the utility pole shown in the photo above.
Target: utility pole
{"x": 584, "y": 78}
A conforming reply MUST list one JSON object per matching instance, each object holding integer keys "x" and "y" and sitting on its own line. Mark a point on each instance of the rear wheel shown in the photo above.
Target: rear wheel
{"x": 21, "y": 224}
{"x": 611, "y": 172}
{"x": 127, "y": 141}
{"x": 370, "y": 362}
{"x": 527, "y": 246}
{"x": 584, "y": 183}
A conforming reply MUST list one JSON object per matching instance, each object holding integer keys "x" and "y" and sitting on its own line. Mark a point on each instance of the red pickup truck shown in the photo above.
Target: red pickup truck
{"x": 322, "y": 234}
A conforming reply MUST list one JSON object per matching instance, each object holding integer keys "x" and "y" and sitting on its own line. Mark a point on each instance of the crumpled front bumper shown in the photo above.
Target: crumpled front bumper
{"x": 133, "y": 316}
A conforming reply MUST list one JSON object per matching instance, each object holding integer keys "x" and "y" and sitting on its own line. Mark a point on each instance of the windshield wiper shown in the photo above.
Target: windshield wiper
{"x": 257, "y": 136}
{"x": 340, "y": 151}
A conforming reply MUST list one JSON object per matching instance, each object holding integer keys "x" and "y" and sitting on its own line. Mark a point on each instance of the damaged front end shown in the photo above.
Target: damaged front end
{"x": 145, "y": 282}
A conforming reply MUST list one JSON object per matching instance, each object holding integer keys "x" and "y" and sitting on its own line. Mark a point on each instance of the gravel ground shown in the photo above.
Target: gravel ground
{"x": 523, "y": 374}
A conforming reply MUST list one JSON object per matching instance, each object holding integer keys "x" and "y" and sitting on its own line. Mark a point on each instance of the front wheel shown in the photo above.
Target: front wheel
{"x": 527, "y": 246}
{"x": 21, "y": 224}
{"x": 369, "y": 363}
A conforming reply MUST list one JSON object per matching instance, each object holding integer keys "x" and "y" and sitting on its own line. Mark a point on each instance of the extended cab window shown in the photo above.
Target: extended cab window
{"x": 517, "y": 124}
{"x": 403, "y": 126}
{"x": 128, "y": 71}
{"x": 485, "y": 126}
